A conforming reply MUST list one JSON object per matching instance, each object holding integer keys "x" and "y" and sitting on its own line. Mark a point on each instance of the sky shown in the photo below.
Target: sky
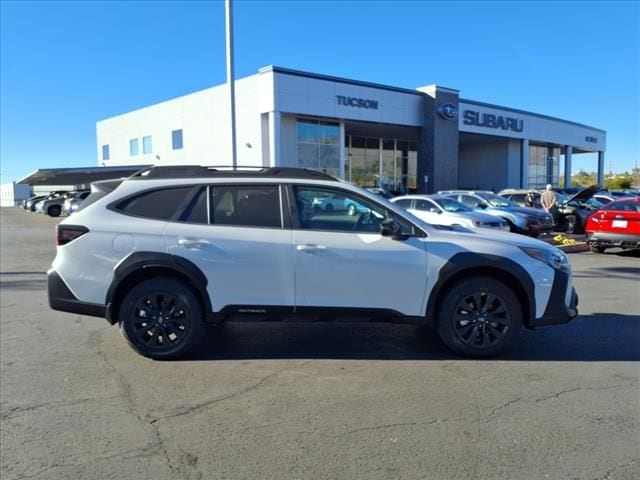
{"x": 66, "y": 65}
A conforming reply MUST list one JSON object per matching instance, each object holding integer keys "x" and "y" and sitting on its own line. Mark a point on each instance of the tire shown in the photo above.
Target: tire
{"x": 180, "y": 315}
{"x": 54, "y": 211}
{"x": 352, "y": 210}
{"x": 570, "y": 224}
{"x": 596, "y": 249}
{"x": 482, "y": 336}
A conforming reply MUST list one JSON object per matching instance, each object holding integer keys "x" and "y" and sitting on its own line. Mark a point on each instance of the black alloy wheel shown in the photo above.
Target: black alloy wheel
{"x": 479, "y": 317}
{"x": 161, "y": 318}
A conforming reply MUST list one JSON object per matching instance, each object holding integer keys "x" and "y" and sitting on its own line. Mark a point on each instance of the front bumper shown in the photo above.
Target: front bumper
{"x": 605, "y": 239}
{"x": 562, "y": 306}
{"x": 63, "y": 299}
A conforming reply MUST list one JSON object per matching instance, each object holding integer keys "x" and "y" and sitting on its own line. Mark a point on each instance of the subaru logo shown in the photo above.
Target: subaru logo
{"x": 448, "y": 111}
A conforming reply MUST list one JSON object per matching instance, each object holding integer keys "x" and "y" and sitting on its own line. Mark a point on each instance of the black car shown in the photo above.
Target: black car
{"x": 572, "y": 212}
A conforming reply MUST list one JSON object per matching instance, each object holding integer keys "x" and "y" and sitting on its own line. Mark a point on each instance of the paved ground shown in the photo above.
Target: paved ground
{"x": 307, "y": 401}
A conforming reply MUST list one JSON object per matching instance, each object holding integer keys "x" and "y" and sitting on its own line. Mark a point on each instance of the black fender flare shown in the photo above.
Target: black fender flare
{"x": 460, "y": 263}
{"x": 140, "y": 261}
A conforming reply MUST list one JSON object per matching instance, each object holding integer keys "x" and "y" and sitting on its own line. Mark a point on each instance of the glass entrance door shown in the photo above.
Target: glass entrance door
{"x": 381, "y": 162}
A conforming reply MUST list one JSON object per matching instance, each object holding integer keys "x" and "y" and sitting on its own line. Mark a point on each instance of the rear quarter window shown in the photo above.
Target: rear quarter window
{"x": 162, "y": 204}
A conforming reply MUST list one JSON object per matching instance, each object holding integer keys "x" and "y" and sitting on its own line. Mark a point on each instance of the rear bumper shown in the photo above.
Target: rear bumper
{"x": 606, "y": 239}
{"x": 63, "y": 299}
{"x": 558, "y": 311}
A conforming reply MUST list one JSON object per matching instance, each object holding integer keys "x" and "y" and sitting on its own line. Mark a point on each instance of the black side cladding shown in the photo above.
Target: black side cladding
{"x": 469, "y": 261}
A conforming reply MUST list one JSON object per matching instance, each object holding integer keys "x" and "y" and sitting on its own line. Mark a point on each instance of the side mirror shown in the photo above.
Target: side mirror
{"x": 435, "y": 210}
{"x": 391, "y": 228}
{"x": 482, "y": 205}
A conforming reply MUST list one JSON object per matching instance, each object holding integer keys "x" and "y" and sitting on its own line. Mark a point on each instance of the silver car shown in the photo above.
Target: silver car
{"x": 443, "y": 210}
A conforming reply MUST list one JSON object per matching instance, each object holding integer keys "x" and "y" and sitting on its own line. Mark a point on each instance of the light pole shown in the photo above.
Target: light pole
{"x": 231, "y": 79}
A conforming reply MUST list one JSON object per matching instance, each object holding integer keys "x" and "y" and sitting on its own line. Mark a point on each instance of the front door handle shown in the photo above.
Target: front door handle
{"x": 193, "y": 242}
{"x": 310, "y": 248}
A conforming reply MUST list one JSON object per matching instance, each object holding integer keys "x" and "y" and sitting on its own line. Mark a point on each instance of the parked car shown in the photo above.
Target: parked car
{"x": 71, "y": 204}
{"x": 604, "y": 198}
{"x": 37, "y": 205}
{"x": 53, "y": 206}
{"x": 572, "y": 212}
{"x": 30, "y": 203}
{"x": 528, "y": 221}
{"x": 168, "y": 254}
{"x": 382, "y": 192}
{"x": 443, "y": 210}
{"x": 338, "y": 203}
{"x": 617, "y": 224}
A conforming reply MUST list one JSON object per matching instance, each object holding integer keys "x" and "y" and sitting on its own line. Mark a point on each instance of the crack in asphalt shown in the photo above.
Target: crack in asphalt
{"x": 18, "y": 411}
{"x": 607, "y": 475}
{"x": 504, "y": 405}
{"x": 146, "y": 451}
{"x": 563, "y": 392}
{"x": 389, "y": 425}
{"x": 200, "y": 406}
{"x": 127, "y": 396}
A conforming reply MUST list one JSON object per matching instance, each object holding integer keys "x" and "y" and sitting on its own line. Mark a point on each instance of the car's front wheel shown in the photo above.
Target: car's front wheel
{"x": 479, "y": 317}
{"x": 161, "y": 318}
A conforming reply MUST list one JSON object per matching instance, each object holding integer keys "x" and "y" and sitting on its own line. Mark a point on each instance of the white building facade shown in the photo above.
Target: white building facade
{"x": 11, "y": 194}
{"x": 423, "y": 140}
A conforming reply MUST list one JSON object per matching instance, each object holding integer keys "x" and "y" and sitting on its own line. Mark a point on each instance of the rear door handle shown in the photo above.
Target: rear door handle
{"x": 310, "y": 248}
{"x": 193, "y": 242}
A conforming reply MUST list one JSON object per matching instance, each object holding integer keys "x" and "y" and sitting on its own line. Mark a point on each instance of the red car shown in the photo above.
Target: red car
{"x": 617, "y": 224}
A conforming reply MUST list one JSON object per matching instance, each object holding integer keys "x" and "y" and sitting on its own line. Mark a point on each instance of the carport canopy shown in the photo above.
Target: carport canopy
{"x": 79, "y": 175}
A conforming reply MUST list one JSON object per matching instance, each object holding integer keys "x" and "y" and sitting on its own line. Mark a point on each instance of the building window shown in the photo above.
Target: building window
{"x": 146, "y": 145}
{"x": 544, "y": 163}
{"x": 176, "y": 139}
{"x": 105, "y": 152}
{"x": 134, "y": 147}
{"x": 319, "y": 146}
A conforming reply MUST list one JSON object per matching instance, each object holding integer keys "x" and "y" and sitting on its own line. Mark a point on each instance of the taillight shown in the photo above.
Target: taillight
{"x": 68, "y": 233}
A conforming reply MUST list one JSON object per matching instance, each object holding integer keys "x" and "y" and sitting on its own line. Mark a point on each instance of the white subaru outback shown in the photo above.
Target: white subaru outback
{"x": 171, "y": 249}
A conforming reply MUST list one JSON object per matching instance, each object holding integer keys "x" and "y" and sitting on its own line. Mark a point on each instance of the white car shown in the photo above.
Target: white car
{"x": 172, "y": 249}
{"x": 443, "y": 210}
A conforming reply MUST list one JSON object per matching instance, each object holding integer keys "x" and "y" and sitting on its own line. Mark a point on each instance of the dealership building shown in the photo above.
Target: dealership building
{"x": 422, "y": 140}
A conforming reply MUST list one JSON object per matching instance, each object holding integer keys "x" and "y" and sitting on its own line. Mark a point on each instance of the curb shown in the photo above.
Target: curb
{"x": 575, "y": 248}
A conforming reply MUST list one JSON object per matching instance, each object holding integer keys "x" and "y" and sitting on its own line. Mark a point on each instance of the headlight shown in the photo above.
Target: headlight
{"x": 554, "y": 258}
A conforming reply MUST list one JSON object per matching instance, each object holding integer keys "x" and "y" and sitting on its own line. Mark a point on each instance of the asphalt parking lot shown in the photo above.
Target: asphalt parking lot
{"x": 320, "y": 400}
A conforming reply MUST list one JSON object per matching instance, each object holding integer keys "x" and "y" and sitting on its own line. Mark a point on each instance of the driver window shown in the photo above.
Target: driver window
{"x": 326, "y": 209}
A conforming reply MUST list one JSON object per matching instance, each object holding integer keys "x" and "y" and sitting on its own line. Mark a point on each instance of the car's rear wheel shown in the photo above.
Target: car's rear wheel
{"x": 54, "y": 211}
{"x": 479, "y": 317}
{"x": 161, "y": 318}
{"x": 596, "y": 249}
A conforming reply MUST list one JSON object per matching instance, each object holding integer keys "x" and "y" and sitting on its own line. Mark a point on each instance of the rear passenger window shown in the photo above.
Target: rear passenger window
{"x": 156, "y": 204}
{"x": 249, "y": 206}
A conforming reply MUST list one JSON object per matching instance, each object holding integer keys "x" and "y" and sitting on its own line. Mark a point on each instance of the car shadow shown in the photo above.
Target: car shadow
{"x": 599, "y": 337}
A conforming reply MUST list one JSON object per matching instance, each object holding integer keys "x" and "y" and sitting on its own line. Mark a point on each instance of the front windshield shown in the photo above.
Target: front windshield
{"x": 451, "y": 205}
{"x": 496, "y": 200}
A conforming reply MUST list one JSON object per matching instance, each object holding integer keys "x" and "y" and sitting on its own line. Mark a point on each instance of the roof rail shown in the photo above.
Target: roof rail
{"x": 195, "y": 171}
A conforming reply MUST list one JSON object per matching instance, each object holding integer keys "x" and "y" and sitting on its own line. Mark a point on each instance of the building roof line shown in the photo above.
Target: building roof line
{"x": 533, "y": 114}
{"x": 317, "y": 76}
